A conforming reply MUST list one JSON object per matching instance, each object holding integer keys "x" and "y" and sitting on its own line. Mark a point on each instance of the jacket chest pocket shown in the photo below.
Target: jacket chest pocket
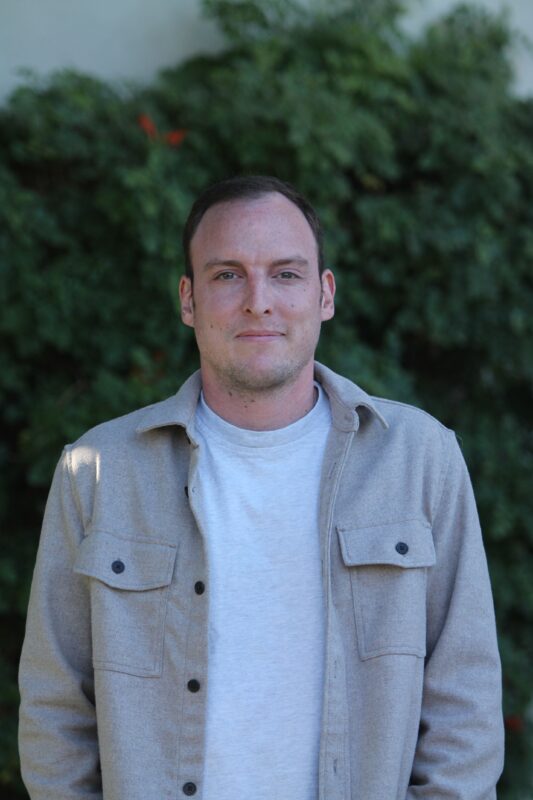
{"x": 129, "y": 584}
{"x": 388, "y": 574}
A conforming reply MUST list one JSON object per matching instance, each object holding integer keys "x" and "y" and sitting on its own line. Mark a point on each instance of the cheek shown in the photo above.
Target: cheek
{"x": 212, "y": 321}
{"x": 208, "y": 310}
{"x": 218, "y": 305}
{"x": 306, "y": 309}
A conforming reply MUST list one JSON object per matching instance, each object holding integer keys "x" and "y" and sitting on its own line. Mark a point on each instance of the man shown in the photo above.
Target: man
{"x": 272, "y": 585}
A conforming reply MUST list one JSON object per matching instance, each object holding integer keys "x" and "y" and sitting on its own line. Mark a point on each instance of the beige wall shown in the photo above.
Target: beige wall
{"x": 132, "y": 39}
{"x": 118, "y": 39}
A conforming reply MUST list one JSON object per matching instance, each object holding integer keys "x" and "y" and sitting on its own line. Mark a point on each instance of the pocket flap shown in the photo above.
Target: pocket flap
{"x": 125, "y": 563}
{"x": 399, "y": 544}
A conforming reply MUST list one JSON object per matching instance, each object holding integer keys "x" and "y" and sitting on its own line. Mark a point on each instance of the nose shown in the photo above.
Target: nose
{"x": 257, "y": 300}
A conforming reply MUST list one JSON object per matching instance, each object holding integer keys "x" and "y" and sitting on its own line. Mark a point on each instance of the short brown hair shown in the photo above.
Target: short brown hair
{"x": 247, "y": 187}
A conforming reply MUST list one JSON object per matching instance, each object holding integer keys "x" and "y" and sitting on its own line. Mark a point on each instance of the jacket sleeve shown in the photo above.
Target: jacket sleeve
{"x": 459, "y": 753}
{"x": 57, "y": 731}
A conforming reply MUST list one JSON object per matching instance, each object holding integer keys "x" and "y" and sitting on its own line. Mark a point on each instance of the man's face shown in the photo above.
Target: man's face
{"x": 258, "y": 301}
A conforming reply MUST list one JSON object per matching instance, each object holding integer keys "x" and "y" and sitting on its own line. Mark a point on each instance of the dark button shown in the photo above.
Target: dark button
{"x": 402, "y": 548}
{"x": 186, "y": 490}
{"x": 193, "y": 686}
{"x": 199, "y": 587}
{"x": 118, "y": 566}
{"x": 189, "y": 789}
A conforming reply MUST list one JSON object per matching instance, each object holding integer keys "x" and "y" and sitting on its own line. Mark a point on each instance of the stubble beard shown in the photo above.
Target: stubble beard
{"x": 250, "y": 383}
{"x": 243, "y": 381}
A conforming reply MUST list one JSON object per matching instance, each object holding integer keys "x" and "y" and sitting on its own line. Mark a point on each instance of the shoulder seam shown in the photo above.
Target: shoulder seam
{"x": 115, "y": 422}
{"x": 444, "y": 475}
{"x": 68, "y": 461}
{"x": 410, "y": 408}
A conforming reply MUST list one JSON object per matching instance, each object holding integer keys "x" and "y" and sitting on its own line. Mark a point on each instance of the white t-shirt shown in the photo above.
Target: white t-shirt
{"x": 256, "y": 501}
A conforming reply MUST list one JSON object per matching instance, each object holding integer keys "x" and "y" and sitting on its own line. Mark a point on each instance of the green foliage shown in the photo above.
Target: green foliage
{"x": 419, "y": 161}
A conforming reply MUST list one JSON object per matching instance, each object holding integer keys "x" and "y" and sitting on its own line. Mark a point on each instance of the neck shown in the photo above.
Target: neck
{"x": 265, "y": 410}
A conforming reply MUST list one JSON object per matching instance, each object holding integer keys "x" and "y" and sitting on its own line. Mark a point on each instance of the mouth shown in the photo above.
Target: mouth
{"x": 259, "y": 335}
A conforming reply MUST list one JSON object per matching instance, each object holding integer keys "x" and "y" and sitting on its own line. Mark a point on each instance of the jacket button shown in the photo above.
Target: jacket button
{"x": 402, "y": 548}
{"x": 189, "y": 789}
{"x": 193, "y": 685}
{"x": 199, "y": 587}
{"x": 118, "y": 566}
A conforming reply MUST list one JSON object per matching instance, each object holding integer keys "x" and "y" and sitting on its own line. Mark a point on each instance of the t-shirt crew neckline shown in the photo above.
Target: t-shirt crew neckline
{"x": 210, "y": 422}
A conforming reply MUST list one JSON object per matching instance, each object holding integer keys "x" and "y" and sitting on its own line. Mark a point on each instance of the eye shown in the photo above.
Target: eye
{"x": 287, "y": 275}
{"x": 225, "y": 276}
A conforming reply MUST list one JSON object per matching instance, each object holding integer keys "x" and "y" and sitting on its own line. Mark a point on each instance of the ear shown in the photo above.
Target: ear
{"x": 327, "y": 298}
{"x": 186, "y": 301}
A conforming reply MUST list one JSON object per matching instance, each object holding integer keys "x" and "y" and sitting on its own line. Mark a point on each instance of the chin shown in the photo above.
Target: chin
{"x": 254, "y": 378}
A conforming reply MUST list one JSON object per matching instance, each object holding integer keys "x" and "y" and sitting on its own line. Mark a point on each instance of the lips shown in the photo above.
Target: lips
{"x": 259, "y": 335}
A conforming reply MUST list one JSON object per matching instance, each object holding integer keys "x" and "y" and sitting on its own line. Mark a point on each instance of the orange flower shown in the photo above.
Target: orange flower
{"x": 175, "y": 138}
{"x": 148, "y": 125}
{"x": 514, "y": 723}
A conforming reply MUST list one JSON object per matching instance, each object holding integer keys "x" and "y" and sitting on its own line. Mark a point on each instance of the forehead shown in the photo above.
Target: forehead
{"x": 270, "y": 222}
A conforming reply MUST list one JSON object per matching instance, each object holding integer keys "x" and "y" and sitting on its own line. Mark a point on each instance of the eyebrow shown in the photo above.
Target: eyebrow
{"x": 279, "y": 262}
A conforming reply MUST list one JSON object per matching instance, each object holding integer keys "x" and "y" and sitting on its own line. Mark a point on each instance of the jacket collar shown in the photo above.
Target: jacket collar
{"x": 346, "y": 401}
{"x": 176, "y": 410}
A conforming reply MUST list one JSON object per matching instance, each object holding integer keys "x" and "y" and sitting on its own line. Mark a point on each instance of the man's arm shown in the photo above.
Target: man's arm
{"x": 459, "y": 753}
{"x": 57, "y": 733}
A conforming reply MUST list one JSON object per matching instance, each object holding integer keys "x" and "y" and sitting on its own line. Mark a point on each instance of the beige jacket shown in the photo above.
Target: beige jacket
{"x": 117, "y": 621}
